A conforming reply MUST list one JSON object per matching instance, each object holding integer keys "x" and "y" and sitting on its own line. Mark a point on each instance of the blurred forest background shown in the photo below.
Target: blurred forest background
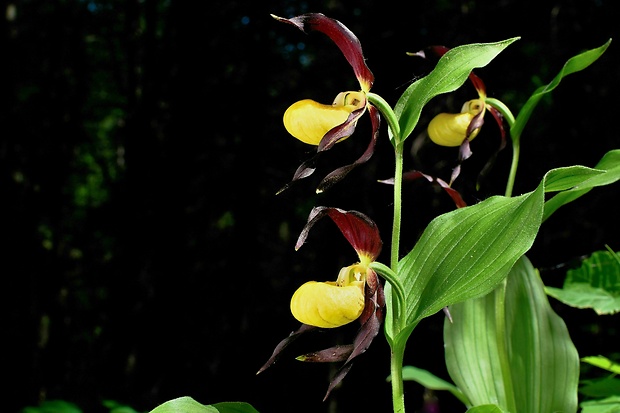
{"x": 146, "y": 255}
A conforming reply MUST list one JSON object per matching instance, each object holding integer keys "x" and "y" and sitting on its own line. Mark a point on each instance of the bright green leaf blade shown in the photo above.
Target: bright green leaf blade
{"x": 610, "y": 164}
{"x": 487, "y": 408}
{"x": 574, "y": 64}
{"x": 189, "y": 405}
{"x": 471, "y": 351}
{"x": 603, "y": 363}
{"x": 607, "y": 405}
{"x": 450, "y": 73}
{"x": 595, "y": 284}
{"x": 541, "y": 345}
{"x": 561, "y": 179}
{"x": 467, "y": 252}
{"x": 541, "y": 372}
{"x": 432, "y": 382}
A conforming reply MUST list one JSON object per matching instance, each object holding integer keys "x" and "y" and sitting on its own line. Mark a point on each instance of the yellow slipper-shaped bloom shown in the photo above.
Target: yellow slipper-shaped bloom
{"x": 327, "y": 305}
{"x": 451, "y": 129}
{"x": 309, "y": 121}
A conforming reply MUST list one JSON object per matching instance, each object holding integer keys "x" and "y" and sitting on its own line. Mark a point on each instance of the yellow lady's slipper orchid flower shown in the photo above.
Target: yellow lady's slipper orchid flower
{"x": 325, "y": 125}
{"x": 356, "y": 294}
{"x": 309, "y": 121}
{"x": 327, "y": 304}
{"x": 451, "y": 129}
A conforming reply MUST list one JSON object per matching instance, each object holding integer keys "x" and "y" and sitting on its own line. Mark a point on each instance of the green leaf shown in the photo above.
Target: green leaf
{"x": 450, "y": 73}
{"x": 574, "y": 64}
{"x": 466, "y": 253}
{"x": 610, "y": 164}
{"x": 432, "y": 382}
{"x": 595, "y": 284}
{"x": 605, "y": 387}
{"x": 188, "y": 405}
{"x": 607, "y": 405}
{"x": 603, "y": 363}
{"x": 487, "y": 408}
{"x": 512, "y": 349}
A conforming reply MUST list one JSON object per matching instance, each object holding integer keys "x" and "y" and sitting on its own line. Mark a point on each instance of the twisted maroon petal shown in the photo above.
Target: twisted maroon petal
{"x": 344, "y": 38}
{"x": 361, "y": 232}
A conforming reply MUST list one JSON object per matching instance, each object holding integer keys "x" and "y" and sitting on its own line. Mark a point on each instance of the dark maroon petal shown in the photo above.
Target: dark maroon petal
{"x": 361, "y": 232}
{"x": 464, "y": 153}
{"x": 337, "y": 175}
{"x": 369, "y": 330}
{"x": 491, "y": 162}
{"x": 329, "y": 355}
{"x": 283, "y": 344}
{"x": 412, "y": 175}
{"x": 303, "y": 171}
{"x": 341, "y": 131}
{"x": 346, "y": 41}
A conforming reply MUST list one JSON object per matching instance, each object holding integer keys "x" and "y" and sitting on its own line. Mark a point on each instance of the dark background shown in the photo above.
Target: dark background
{"x": 146, "y": 255}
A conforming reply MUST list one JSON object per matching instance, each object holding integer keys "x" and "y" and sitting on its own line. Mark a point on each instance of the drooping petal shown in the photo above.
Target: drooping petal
{"x": 346, "y": 41}
{"x": 499, "y": 119}
{"x": 283, "y": 344}
{"x": 412, "y": 175}
{"x": 309, "y": 121}
{"x": 337, "y": 175}
{"x": 329, "y": 355}
{"x": 361, "y": 232}
{"x": 327, "y": 305}
{"x": 371, "y": 319}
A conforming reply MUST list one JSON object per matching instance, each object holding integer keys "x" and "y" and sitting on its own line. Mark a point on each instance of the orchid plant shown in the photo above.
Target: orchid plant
{"x": 506, "y": 350}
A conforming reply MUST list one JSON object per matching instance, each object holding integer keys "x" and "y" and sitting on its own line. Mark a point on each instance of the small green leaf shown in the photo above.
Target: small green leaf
{"x": 432, "y": 382}
{"x": 450, "y": 73}
{"x": 188, "y": 405}
{"x": 595, "y": 284}
{"x": 513, "y": 350}
{"x": 574, "y": 64}
{"x": 603, "y": 363}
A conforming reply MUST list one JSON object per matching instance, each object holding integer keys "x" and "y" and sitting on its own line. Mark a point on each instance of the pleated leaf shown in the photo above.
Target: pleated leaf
{"x": 529, "y": 365}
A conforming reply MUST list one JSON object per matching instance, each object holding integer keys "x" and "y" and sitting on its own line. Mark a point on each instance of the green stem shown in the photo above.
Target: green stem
{"x": 516, "y": 149}
{"x": 388, "y": 114}
{"x": 396, "y": 370}
{"x": 397, "y": 307}
{"x": 391, "y": 277}
{"x": 398, "y": 184}
{"x": 515, "y": 138}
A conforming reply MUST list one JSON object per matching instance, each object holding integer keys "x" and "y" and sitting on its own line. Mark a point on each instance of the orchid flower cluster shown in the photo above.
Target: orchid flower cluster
{"x": 357, "y": 293}
{"x": 463, "y": 255}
